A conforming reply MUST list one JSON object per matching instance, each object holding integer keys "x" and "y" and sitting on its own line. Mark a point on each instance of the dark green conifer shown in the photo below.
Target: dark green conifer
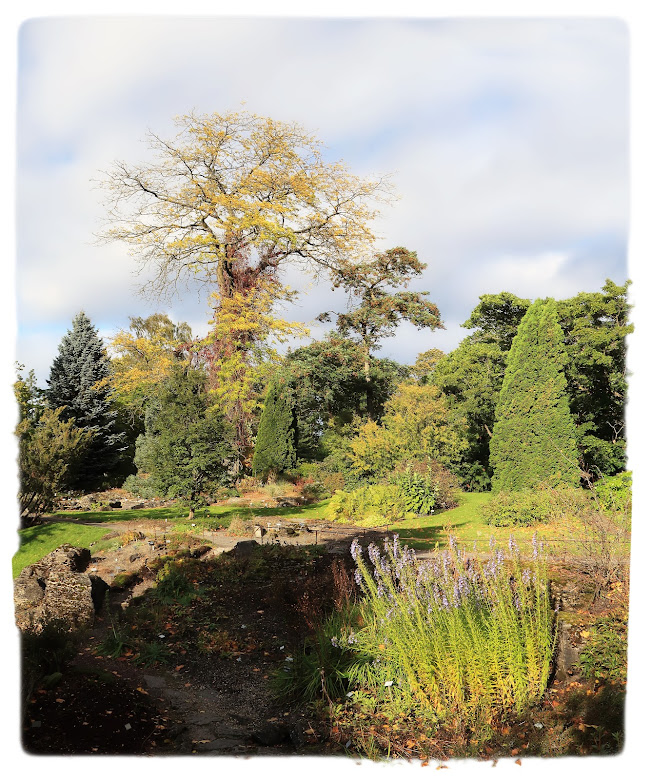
{"x": 534, "y": 438}
{"x": 276, "y": 442}
{"x": 79, "y": 382}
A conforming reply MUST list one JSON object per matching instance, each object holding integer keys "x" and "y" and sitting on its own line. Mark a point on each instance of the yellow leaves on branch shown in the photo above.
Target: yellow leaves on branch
{"x": 244, "y": 331}
{"x": 244, "y": 183}
{"x": 417, "y": 423}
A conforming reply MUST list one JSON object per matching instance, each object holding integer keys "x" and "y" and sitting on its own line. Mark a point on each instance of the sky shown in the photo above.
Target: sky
{"x": 507, "y": 133}
{"x": 506, "y": 141}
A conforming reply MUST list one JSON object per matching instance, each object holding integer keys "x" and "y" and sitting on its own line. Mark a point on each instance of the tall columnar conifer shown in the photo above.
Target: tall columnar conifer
{"x": 276, "y": 443}
{"x": 79, "y": 382}
{"x": 534, "y": 437}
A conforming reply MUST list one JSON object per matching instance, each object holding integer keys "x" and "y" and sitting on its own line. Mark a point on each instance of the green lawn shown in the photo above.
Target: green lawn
{"x": 42, "y": 539}
{"x": 209, "y": 517}
{"x": 464, "y": 522}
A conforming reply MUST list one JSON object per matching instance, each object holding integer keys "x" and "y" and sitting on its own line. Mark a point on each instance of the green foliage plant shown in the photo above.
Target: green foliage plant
{"x": 370, "y": 505}
{"x": 534, "y": 438}
{"x": 604, "y": 657}
{"x": 465, "y": 639}
{"x": 276, "y": 441}
{"x": 80, "y": 382}
{"x": 615, "y": 493}
{"x": 185, "y": 449}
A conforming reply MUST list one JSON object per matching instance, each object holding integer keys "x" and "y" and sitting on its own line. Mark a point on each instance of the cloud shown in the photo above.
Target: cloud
{"x": 508, "y": 139}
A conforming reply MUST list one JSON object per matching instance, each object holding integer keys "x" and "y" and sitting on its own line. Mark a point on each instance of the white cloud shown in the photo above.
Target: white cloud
{"x": 508, "y": 138}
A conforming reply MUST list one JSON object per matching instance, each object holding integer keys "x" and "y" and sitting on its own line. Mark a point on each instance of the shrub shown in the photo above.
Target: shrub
{"x": 465, "y": 640}
{"x": 420, "y": 493}
{"x": 247, "y": 484}
{"x": 605, "y": 654}
{"x": 240, "y": 527}
{"x": 141, "y": 485}
{"x": 530, "y": 507}
{"x": 615, "y": 493}
{"x": 527, "y": 507}
{"x": 369, "y": 505}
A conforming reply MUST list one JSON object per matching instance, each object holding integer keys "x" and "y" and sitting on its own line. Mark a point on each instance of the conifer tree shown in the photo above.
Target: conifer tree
{"x": 186, "y": 446}
{"x": 534, "y": 438}
{"x": 276, "y": 443}
{"x": 79, "y": 382}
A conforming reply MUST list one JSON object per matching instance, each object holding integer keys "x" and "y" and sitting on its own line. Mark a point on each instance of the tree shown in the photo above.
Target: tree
{"x": 144, "y": 356}
{"x": 48, "y": 448}
{"x": 240, "y": 354}
{"x": 80, "y": 383}
{"x": 185, "y": 449}
{"x": 534, "y": 440}
{"x": 595, "y": 327}
{"x": 417, "y": 425}
{"x": 276, "y": 442}
{"x": 232, "y": 197}
{"x": 380, "y": 311}
{"x": 329, "y": 388}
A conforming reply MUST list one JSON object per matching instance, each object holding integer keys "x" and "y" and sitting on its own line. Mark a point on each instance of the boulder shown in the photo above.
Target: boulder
{"x": 57, "y": 590}
{"x": 244, "y": 549}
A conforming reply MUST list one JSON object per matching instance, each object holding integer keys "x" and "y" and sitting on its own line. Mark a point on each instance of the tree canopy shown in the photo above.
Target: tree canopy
{"x": 79, "y": 385}
{"x": 185, "y": 449}
{"x": 534, "y": 440}
{"x": 233, "y": 195}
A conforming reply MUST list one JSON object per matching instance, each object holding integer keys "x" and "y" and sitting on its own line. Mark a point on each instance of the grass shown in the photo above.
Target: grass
{"x": 42, "y": 539}
{"x": 209, "y": 517}
{"x": 466, "y": 524}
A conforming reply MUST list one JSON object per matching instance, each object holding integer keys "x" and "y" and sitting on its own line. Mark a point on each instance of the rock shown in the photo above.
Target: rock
{"x": 245, "y": 548}
{"x": 271, "y": 734}
{"x": 568, "y": 653}
{"x": 98, "y": 591}
{"x": 115, "y": 504}
{"x": 134, "y": 557}
{"x": 56, "y": 590}
{"x": 138, "y": 506}
{"x": 200, "y": 551}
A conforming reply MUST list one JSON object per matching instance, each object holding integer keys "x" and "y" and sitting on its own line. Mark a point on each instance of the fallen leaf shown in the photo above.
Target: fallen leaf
{"x": 177, "y": 668}
{"x": 59, "y": 701}
{"x": 518, "y": 761}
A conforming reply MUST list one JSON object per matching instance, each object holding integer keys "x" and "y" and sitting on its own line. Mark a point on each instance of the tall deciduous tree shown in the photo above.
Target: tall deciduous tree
{"x": 534, "y": 439}
{"x": 240, "y": 352}
{"x": 276, "y": 442}
{"x": 185, "y": 449}
{"x": 80, "y": 383}
{"x": 380, "y": 309}
{"x": 235, "y": 195}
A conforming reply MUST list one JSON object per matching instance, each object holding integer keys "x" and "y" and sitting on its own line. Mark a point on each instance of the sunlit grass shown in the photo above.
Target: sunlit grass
{"x": 42, "y": 539}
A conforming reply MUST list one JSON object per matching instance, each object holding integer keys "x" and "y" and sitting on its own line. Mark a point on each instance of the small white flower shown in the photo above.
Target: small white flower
{"x": 243, "y": 625}
{"x": 389, "y": 683}
{"x": 282, "y": 647}
{"x": 238, "y": 658}
{"x": 161, "y": 636}
{"x": 538, "y": 725}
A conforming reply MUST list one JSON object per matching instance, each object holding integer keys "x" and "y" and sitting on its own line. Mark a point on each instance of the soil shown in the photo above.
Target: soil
{"x": 218, "y": 700}
{"x": 197, "y": 701}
